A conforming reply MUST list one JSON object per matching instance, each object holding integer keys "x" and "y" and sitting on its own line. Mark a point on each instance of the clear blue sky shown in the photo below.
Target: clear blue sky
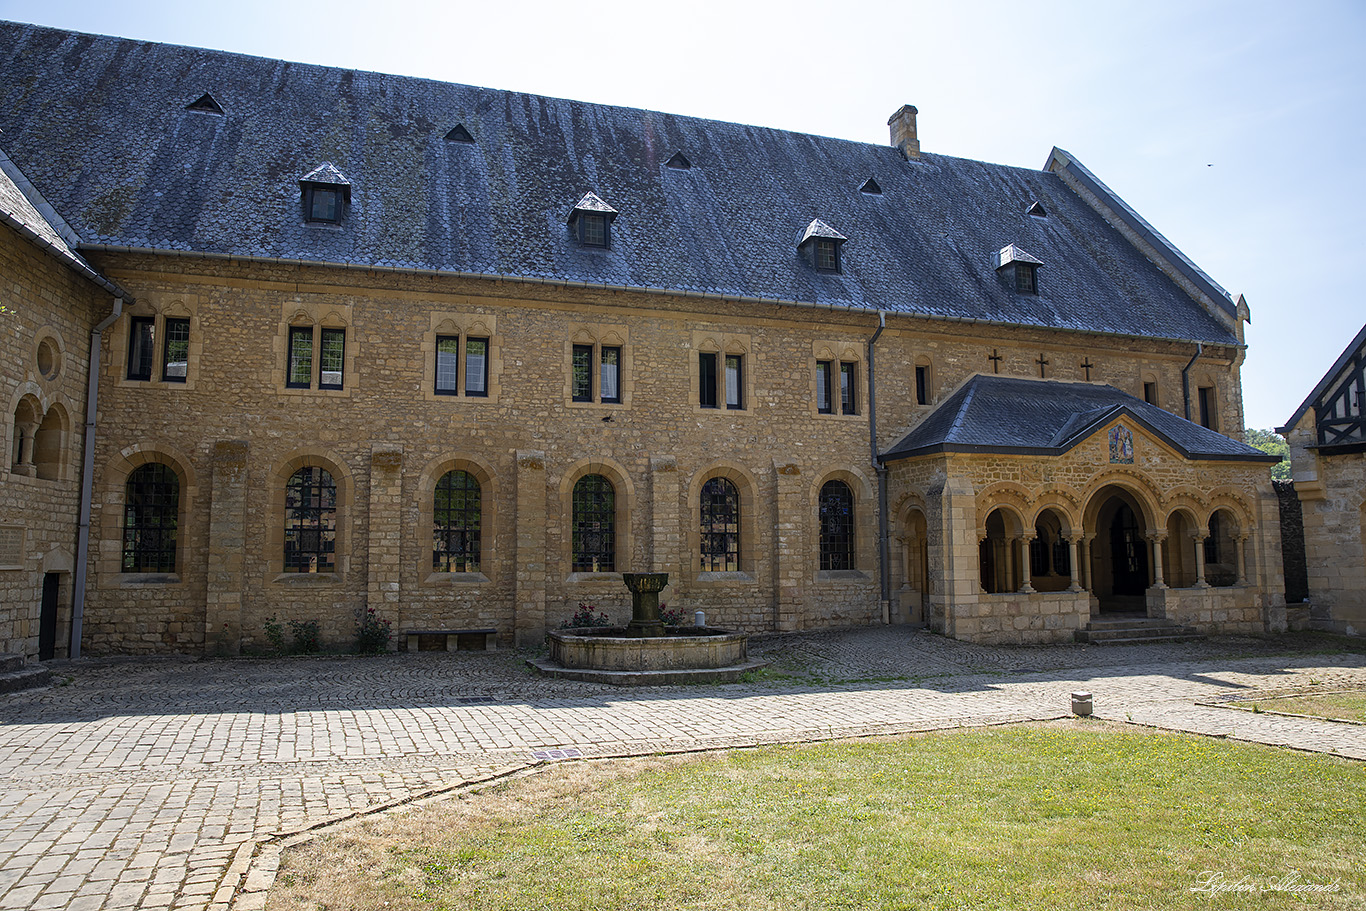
{"x": 1235, "y": 128}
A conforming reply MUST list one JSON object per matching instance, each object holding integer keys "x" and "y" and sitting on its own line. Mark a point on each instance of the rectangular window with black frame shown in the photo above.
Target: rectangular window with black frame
{"x": 300, "y": 357}
{"x": 141, "y": 347}
{"x": 175, "y": 358}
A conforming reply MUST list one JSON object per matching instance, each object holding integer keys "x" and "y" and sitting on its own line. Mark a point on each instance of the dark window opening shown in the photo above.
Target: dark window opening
{"x": 323, "y": 204}
{"x": 310, "y": 522}
{"x": 593, "y": 230}
{"x": 175, "y": 354}
{"x": 1208, "y": 414}
{"x": 720, "y": 541}
{"x": 848, "y": 388}
{"x": 331, "y": 358}
{"x": 679, "y": 162}
{"x": 827, "y": 255}
{"x": 824, "y": 405}
{"x": 151, "y": 511}
{"x": 205, "y": 104}
{"x": 595, "y": 520}
{"x": 1026, "y": 278}
{"x": 837, "y": 526}
{"x": 922, "y": 385}
{"x": 870, "y": 186}
{"x": 706, "y": 376}
{"x": 582, "y": 390}
{"x": 300, "y": 357}
{"x": 1150, "y": 393}
{"x": 456, "y": 507}
{"x": 141, "y": 347}
{"x": 458, "y": 133}
{"x": 447, "y": 364}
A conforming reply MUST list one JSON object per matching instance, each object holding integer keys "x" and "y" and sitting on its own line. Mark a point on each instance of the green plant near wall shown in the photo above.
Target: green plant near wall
{"x": 307, "y": 636}
{"x": 275, "y": 635}
{"x": 372, "y": 633}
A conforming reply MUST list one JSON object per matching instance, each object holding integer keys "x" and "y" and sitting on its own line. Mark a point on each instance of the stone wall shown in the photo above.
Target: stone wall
{"x": 387, "y": 438}
{"x": 44, "y": 347}
{"x": 1292, "y": 543}
{"x": 1332, "y": 494}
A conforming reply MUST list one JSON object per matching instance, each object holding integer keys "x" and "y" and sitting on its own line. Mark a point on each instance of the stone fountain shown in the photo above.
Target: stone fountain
{"x": 645, "y": 651}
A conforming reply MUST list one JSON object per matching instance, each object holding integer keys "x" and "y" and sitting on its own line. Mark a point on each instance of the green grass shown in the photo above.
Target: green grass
{"x": 1072, "y": 816}
{"x": 1332, "y": 706}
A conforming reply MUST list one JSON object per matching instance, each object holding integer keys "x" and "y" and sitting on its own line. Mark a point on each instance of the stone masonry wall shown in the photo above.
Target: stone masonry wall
{"x": 387, "y": 439}
{"x": 44, "y": 347}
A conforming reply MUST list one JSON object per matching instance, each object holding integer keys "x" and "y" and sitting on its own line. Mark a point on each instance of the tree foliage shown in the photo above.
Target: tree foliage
{"x": 1272, "y": 443}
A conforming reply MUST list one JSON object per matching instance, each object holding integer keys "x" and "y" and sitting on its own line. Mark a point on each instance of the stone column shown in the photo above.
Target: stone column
{"x": 1086, "y": 581}
{"x": 954, "y": 557}
{"x": 1074, "y": 556}
{"x": 1239, "y": 558}
{"x": 792, "y": 512}
{"x": 24, "y": 465}
{"x": 1200, "y": 560}
{"x": 666, "y": 527}
{"x": 1025, "y": 565}
{"x": 1159, "y": 541}
{"x": 530, "y": 569}
{"x": 227, "y": 541}
{"x": 386, "y": 530}
{"x": 982, "y": 583}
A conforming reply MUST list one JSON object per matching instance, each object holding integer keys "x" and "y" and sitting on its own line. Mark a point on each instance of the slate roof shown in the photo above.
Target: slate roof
{"x": 1001, "y": 414}
{"x": 25, "y": 210}
{"x": 100, "y": 125}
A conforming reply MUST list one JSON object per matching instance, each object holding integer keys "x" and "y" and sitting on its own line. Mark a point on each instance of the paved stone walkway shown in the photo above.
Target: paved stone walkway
{"x": 156, "y": 783}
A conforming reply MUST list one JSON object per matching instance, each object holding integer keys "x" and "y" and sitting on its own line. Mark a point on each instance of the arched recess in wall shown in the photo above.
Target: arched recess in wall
{"x": 310, "y": 494}
{"x": 596, "y": 498}
{"x": 911, "y": 573}
{"x": 1222, "y": 553}
{"x": 1050, "y": 558}
{"x": 114, "y": 517}
{"x": 27, "y": 415}
{"x": 843, "y": 541}
{"x": 50, "y": 444}
{"x": 1120, "y": 512}
{"x": 1178, "y": 553}
{"x": 999, "y": 551}
{"x": 456, "y": 533}
{"x": 713, "y": 522}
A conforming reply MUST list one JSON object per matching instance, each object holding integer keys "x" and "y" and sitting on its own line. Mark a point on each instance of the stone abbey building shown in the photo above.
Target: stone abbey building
{"x": 465, "y": 356}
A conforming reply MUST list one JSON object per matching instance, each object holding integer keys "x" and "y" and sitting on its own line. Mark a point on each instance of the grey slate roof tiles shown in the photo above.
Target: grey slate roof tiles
{"x": 99, "y": 125}
{"x": 1045, "y": 417}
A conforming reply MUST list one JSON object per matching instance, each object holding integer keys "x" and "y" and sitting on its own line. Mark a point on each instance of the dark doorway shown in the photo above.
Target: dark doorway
{"x": 47, "y": 619}
{"x": 1128, "y": 554}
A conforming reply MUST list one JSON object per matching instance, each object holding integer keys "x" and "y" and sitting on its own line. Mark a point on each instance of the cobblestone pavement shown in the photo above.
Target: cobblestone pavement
{"x": 154, "y": 783}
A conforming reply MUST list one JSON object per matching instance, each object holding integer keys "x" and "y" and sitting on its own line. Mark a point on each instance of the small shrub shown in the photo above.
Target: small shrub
{"x": 275, "y": 635}
{"x": 586, "y": 615}
{"x": 372, "y": 633}
{"x": 307, "y": 637}
{"x": 670, "y": 616}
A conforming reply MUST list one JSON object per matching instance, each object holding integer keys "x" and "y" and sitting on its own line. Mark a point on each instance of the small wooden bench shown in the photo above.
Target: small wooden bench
{"x": 451, "y": 640}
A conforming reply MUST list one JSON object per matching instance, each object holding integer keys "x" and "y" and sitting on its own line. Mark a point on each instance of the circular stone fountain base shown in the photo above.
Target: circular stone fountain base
{"x": 682, "y": 655}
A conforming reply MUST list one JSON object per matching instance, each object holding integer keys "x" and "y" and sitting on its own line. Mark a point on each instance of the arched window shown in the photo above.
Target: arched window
{"x": 310, "y": 521}
{"x": 720, "y": 542}
{"x": 455, "y": 523}
{"x": 151, "y": 510}
{"x": 595, "y": 525}
{"x": 837, "y": 526}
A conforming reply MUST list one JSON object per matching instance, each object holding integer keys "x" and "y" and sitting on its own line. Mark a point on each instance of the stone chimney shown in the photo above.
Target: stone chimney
{"x": 903, "y": 131}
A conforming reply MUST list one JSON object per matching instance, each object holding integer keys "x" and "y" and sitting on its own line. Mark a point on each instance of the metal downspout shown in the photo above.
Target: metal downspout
{"x": 1186, "y": 377}
{"x": 87, "y": 477}
{"x": 884, "y": 573}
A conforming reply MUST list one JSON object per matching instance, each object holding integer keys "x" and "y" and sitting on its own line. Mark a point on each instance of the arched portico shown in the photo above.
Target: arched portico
{"x": 1117, "y": 538}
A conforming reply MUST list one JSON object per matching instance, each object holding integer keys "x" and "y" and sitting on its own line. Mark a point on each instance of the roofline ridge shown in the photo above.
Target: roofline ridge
{"x": 1323, "y": 383}
{"x": 39, "y": 202}
{"x": 1060, "y": 160}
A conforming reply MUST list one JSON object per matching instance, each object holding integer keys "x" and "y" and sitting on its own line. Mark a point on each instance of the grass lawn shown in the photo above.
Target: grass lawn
{"x": 1077, "y": 815}
{"x": 1333, "y": 706}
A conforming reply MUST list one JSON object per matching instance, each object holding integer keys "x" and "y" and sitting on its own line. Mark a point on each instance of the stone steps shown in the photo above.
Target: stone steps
{"x": 1133, "y": 630}
{"x": 15, "y": 675}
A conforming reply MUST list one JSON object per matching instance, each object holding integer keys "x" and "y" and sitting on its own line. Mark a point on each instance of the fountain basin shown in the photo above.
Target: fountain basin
{"x": 613, "y": 655}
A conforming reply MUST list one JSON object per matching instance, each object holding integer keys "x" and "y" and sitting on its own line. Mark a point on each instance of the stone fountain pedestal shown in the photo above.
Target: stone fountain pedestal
{"x": 645, "y": 652}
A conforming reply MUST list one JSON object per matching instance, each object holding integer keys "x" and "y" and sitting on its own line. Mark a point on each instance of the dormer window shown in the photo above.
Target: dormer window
{"x": 591, "y": 221}
{"x": 205, "y": 104}
{"x": 326, "y": 192}
{"x": 679, "y": 162}
{"x": 820, "y": 246}
{"x": 1018, "y": 270}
